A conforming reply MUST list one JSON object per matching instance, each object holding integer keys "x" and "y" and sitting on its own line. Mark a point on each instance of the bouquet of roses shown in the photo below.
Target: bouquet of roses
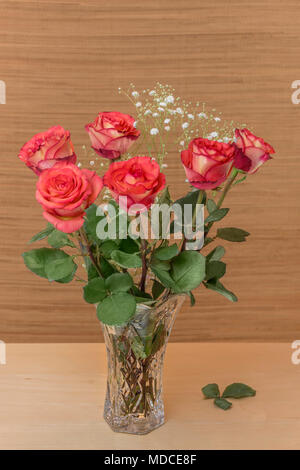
{"x": 128, "y": 265}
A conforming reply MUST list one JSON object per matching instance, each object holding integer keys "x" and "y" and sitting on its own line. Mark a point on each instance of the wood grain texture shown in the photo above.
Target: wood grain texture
{"x": 52, "y": 397}
{"x": 63, "y": 62}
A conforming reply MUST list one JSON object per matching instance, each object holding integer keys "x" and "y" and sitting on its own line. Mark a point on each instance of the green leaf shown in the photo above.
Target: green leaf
{"x": 216, "y": 215}
{"x": 165, "y": 197}
{"x": 129, "y": 246}
{"x": 126, "y": 260}
{"x": 107, "y": 247}
{"x": 106, "y": 268}
{"x": 222, "y": 403}
{"x": 216, "y": 254}
{"x": 43, "y": 234}
{"x": 116, "y": 309}
{"x": 218, "y": 287}
{"x": 191, "y": 198}
{"x": 40, "y": 262}
{"x": 238, "y": 390}
{"x": 232, "y": 234}
{"x": 58, "y": 239}
{"x": 240, "y": 180}
{"x": 211, "y": 205}
{"x": 166, "y": 253}
{"x": 90, "y": 223}
{"x": 119, "y": 282}
{"x": 192, "y": 298}
{"x": 164, "y": 277}
{"x": 188, "y": 270}
{"x": 158, "y": 339}
{"x": 137, "y": 346}
{"x": 157, "y": 289}
{"x": 215, "y": 269}
{"x": 59, "y": 268}
{"x": 211, "y": 391}
{"x": 138, "y": 293}
{"x": 94, "y": 291}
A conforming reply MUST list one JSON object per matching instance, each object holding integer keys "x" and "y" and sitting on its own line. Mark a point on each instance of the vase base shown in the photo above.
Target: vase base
{"x": 134, "y": 424}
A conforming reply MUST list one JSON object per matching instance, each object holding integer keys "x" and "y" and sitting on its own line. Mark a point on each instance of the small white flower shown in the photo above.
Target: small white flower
{"x": 179, "y": 111}
{"x": 161, "y": 109}
{"x": 226, "y": 139}
{"x": 138, "y": 104}
{"x": 152, "y": 93}
{"x": 167, "y": 128}
{"x": 182, "y": 143}
{"x": 154, "y": 131}
{"x": 164, "y": 165}
{"x": 170, "y": 99}
{"x": 135, "y": 124}
{"x": 185, "y": 125}
{"x": 135, "y": 94}
{"x": 172, "y": 111}
{"x": 213, "y": 135}
{"x": 155, "y": 114}
{"x": 190, "y": 116}
{"x": 79, "y": 164}
{"x": 92, "y": 163}
{"x": 217, "y": 119}
{"x": 166, "y": 121}
{"x": 147, "y": 112}
{"x": 186, "y": 180}
{"x": 202, "y": 115}
{"x": 162, "y": 103}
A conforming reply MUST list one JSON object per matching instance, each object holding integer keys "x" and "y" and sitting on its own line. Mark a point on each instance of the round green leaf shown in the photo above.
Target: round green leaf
{"x": 94, "y": 291}
{"x": 126, "y": 260}
{"x": 59, "y": 268}
{"x": 188, "y": 270}
{"x": 116, "y": 309}
{"x": 119, "y": 282}
{"x": 166, "y": 252}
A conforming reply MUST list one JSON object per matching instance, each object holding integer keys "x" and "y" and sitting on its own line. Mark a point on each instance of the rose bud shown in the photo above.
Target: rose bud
{"x": 112, "y": 134}
{"x": 207, "y": 163}
{"x": 46, "y": 148}
{"x": 64, "y": 192}
{"x": 251, "y": 151}
{"x": 139, "y": 179}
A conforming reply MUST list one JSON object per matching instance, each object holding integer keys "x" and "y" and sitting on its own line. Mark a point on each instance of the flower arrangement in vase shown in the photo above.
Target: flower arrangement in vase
{"x": 142, "y": 251}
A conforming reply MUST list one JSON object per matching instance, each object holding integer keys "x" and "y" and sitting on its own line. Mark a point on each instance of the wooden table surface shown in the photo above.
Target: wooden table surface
{"x": 51, "y": 397}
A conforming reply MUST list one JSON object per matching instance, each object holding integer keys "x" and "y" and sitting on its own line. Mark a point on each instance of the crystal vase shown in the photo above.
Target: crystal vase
{"x": 135, "y": 355}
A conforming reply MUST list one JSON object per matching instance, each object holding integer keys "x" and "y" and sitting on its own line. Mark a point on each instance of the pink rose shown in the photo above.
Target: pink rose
{"x": 46, "y": 148}
{"x": 64, "y": 192}
{"x": 139, "y": 179}
{"x": 112, "y": 134}
{"x": 251, "y": 151}
{"x": 207, "y": 163}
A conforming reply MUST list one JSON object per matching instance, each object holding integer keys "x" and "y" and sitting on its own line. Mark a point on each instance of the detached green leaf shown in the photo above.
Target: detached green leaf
{"x": 94, "y": 291}
{"x": 238, "y": 390}
{"x": 188, "y": 270}
{"x": 117, "y": 309}
{"x": 216, "y": 215}
{"x": 43, "y": 234}
{"x": 211, "y": 391}
{"x": 222, "y": 403}
{"x": 232, "y": 234}
{"x": 166, "y": 253}
{"x": 119, "y": 282}
{"x": 126, "y": 260}
{"x": 217, "y": 286}
{"x": 58, "y": 239}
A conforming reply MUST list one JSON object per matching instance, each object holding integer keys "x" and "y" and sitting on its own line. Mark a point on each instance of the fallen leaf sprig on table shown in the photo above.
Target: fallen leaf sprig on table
{"x": 234, "y": 390}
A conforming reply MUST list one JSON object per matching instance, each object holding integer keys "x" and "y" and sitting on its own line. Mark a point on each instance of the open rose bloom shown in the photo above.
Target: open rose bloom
{"x": 139, "y": 179}
{"x": 64, "y": 192}
{"x": 252, "y": 151}
{"x": 112, "y": 134}
{"x": 207, "y": 163}
{"x": 46, "y": 148}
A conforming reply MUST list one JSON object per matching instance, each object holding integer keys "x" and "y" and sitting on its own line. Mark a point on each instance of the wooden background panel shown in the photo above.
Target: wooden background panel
{"x": 63, "y": 62}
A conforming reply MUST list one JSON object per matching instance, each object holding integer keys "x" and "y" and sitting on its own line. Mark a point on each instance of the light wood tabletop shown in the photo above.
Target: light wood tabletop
{"x": 51, "y": 397}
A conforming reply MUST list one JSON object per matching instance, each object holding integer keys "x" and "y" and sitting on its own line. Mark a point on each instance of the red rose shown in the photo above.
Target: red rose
{"x": 112, "y": 134}
{"x": 139, "y": 179}
{"x": 251, "y": 152}
{"x": 207, "y": 163}
{"x": 46, "y": 148}
{"x": 64, "y": 192}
